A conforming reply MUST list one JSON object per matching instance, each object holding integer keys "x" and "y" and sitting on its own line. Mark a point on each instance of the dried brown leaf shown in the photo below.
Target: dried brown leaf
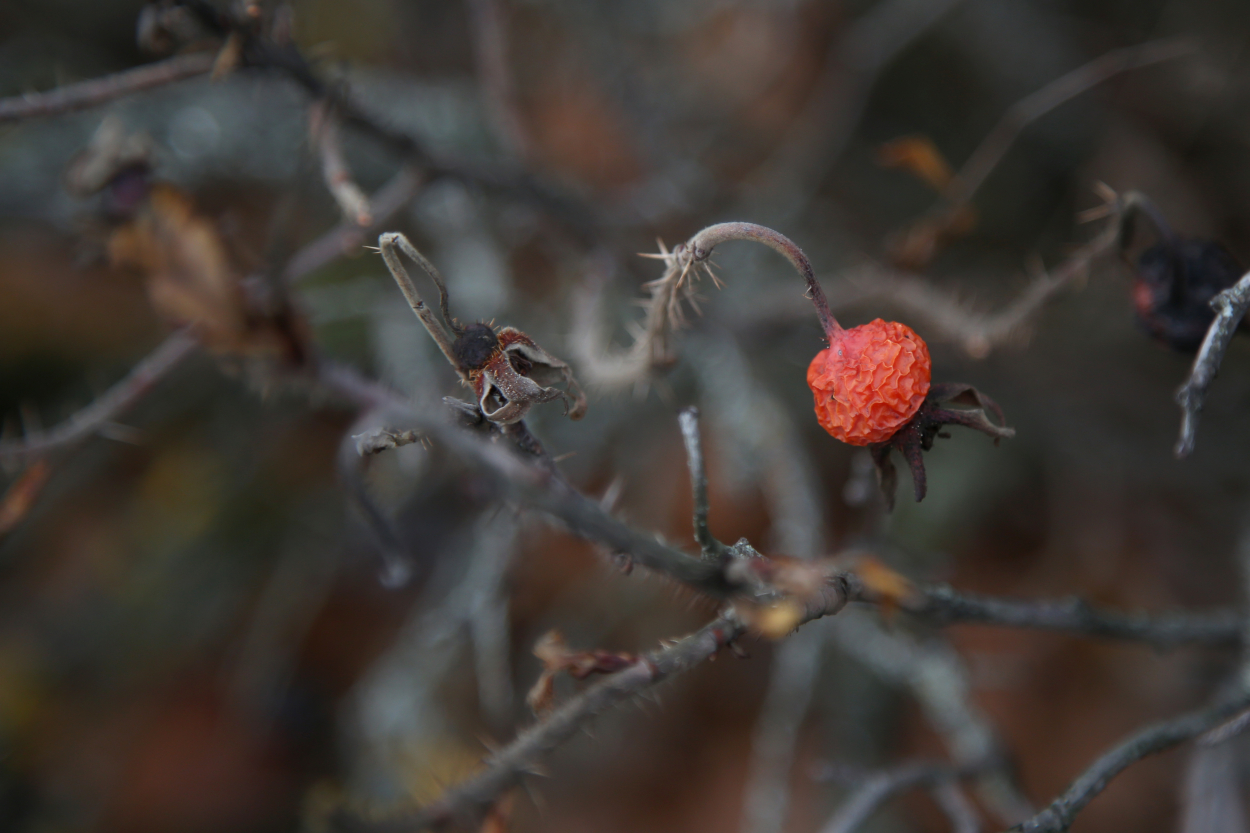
{"x": 920, "y": 157}
{"x": 21, "y": 496}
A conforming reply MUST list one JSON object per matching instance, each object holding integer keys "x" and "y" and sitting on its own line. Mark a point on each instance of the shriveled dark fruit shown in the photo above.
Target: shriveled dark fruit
{"x": 1173, "y": 287}
{"x": 475, "y": 346}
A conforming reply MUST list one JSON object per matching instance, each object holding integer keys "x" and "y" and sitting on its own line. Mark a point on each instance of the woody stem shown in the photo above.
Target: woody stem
{"x": 700, "y": 247}
{"x": 387, "y": 245}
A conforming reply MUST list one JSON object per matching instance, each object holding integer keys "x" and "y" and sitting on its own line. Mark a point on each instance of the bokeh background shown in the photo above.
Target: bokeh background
{"x": 193, "y": 634}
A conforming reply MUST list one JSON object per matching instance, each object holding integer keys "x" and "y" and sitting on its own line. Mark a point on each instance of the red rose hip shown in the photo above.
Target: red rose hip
{"x": 870, "y": 381}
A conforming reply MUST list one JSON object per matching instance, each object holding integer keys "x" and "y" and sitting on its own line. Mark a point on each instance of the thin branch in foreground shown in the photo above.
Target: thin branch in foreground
{"x": 72, "y": 97}
{"x": 1149, "y": 741}
{"x": 1230, "y": 307}
{"x": 712, "y": 548}
{"x": 97, "y": 416}
{"x": 505, "y": 768}
{"x": 879, "y": 788}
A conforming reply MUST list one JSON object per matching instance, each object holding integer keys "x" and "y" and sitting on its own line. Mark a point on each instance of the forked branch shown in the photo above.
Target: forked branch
{"x": 1230, "y": 308}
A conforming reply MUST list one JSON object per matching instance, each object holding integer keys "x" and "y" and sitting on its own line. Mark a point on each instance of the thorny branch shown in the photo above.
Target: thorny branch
{"x": 651, "y": 348}
{"x": 1160, "y": 737}
{"x": 534, "y": 485}
{"x": 96, "y": 416}
{"x": 539, "y": 489}
{"x": 1230, "y": 308}
{"x": 950, "y": 319}
{"x": 506, "y": 767}
{"x": 84, "y": 94}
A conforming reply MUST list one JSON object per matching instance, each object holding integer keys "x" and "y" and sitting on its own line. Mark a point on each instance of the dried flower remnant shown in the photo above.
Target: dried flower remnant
{"x": 556, "y": 656}
{"x": 192, "y": 281}
{"x": 507, "y": 371}
{"x": 1175, "y": 279}
{"x": 918, "y": 434}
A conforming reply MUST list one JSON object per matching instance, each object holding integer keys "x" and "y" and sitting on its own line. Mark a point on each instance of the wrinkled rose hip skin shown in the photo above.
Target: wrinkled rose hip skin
{"x": 870, "y": 381}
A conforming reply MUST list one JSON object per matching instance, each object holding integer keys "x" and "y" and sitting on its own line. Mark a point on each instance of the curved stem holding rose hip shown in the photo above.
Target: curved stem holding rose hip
{"x": 872, "y": 384}
{"x": 699, "y": 249}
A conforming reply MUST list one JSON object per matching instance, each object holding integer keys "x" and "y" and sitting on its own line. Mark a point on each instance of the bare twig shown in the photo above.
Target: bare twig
{"x": 323, "y": 128}
{"x": 490, "y": 49}
{"x": 534, "y": 485}
{"x": 1160, "y": 737}
{"x": 96, "y": 416}
{"x": 84, "y": 94}
{"x": 1032, "y": 107}
{"x": 506, "y": 767}
{"x": 348, "y": 236}
{"x": 712, "y": 548}
{"x": 880, "y": 787}
{"x": 674, "y": 288}
{"x": 440, "y": 331}
{"x": 961, "y": 812}
{"x": 757, "y": 430}
{"x": 947, "y": 318}
{"x": 916, "y": 244}
{"x": 1230, "y": 307}
{"x": 937, "y": 678}
{"x": 944, "y": 606}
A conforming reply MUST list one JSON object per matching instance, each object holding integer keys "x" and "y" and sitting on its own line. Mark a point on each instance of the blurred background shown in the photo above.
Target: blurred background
{"x": 193, "y": 632}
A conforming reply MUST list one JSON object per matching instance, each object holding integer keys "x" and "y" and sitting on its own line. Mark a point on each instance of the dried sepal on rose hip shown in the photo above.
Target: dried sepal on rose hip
{"x": 507, "y": 371}
{"x": 921, "y": 430}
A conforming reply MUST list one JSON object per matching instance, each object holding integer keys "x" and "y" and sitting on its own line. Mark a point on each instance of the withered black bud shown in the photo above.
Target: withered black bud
{"x": 475, "y": 346}
{"x": 1173, "y": 287}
